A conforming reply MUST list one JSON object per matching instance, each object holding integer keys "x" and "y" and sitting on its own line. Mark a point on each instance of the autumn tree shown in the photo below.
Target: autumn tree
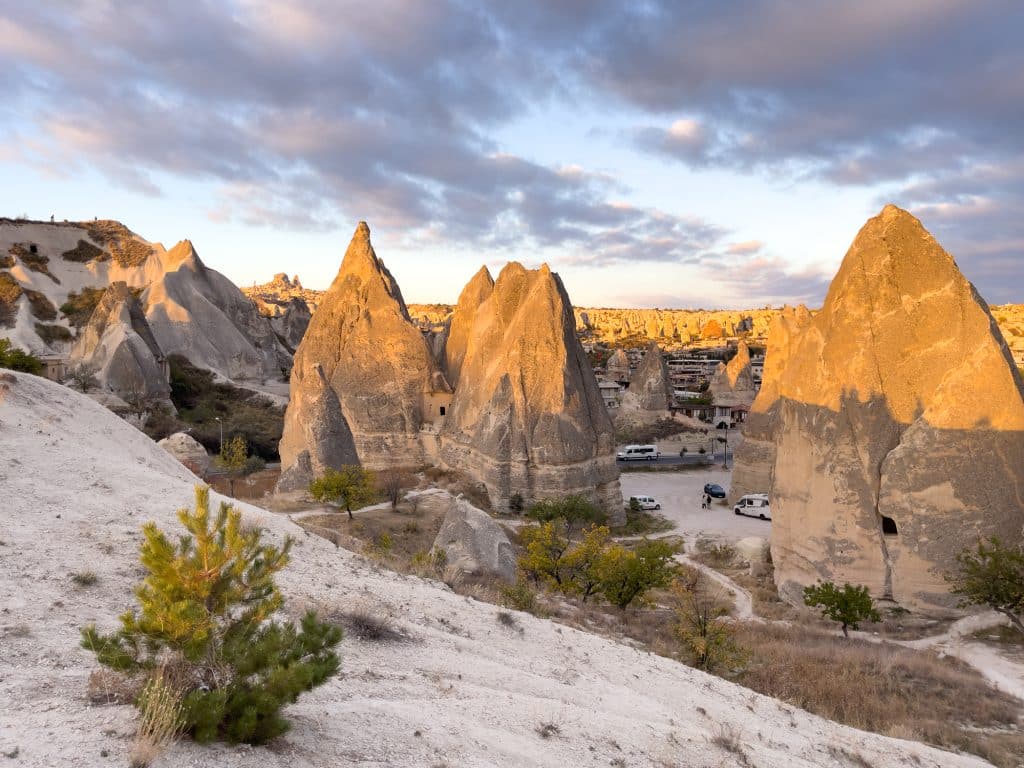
{"x": 350, "y": 487}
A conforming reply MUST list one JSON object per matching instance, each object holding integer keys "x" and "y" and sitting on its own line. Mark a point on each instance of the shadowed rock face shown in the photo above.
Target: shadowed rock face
{"x": 118, "y": 344}
{"x": 618, "y": 366}
{"x": 898, "y": 425}
{"x": 199, "y": 313}
{"x": 362, "y": 356}
{"x": 649, "y": 387}
{"x": 290, "y": 326}
{"x": 527, "y": 416}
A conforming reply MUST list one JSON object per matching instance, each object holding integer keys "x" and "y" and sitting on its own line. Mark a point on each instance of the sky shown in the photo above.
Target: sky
{"x": 655, "y": 154}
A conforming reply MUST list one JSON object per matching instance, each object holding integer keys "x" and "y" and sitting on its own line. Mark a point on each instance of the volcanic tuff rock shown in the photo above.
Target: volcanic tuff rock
{"x": 119, "y": 346}
{"x": 527, "y": 416}
{"x": 290, "y": 326}
{"x": 755, "y": 455}
{"x": 617, "y": 366}
{"x": 733, "y": 384}
{"x": 474, "y": 544}
{"x": 191, "y": 309}
{"x": 374, "y": 362}
{"x": 476, "y": 292}
{"x": 670, "y": 327}
{"x": 899, "y": 430}
{"x": 649, "y": 387}
{"x": 188, "y": 451}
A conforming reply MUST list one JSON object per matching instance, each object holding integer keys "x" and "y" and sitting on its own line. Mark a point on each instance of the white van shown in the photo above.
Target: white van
{"x": 643, "y": 452}
{"x": 754, "y": 505}
{"x": 645, "y": 502}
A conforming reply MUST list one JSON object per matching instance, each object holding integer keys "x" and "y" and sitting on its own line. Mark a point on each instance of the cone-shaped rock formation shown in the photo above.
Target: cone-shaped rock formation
{"x": 898, "y": 425}
{"x": 527, "y": 416}
{"x": 119, "y": 346}
{"x": 650, "y": 388}
{"x": 476, "y": 292}
{"x": 362, "y": 356}
{"x": 733, "y": 384}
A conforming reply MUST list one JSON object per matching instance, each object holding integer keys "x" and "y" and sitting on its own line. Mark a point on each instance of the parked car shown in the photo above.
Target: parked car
{"x": 639, "y": 452}
{"x": 714, "y": 490}
{"x": 645, "y": 502}
{"x": 754, "y": 505}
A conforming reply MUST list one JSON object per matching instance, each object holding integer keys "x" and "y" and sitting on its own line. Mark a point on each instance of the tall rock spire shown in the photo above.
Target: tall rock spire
{"x": 897, "y": 424}
{"x": 362, "y": 346}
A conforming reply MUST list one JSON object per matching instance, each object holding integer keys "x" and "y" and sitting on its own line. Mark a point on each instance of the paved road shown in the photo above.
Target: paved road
{"x": 695, "y": 459}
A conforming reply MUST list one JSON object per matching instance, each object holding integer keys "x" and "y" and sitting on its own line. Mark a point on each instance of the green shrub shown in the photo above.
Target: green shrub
{"x": 575, "y": 511}
{"x": 992, "y": 575}
{"x": 849, "y": 606}
{"x": 18, "y": 360}
{"x": 206, "y": 605}
{"x": 707, "y": 640}
{"x": 520, "y": 597}
{"x": 626, "y": 575}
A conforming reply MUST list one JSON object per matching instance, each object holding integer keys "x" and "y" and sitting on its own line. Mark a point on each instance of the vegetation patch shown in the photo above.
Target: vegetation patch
{"x": 126, "y": 249}
{"x": 201, "y": 401}
{"x": 650, "y": 433}
{"x": 6, "y": 261}
{"x": 53, "y": 334}
{"x": 18, "y": 360}
{"x": 80, "y": 305}
{"x": 36, "y": 262}
{"x": 10, "y": 292}
{"x": 84, "y": 252}
{"x": 42, "y": 308}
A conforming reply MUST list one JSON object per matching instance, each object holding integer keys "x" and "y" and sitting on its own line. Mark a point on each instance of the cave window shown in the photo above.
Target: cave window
{"x": 33, "y": 248}
{"x": 442, "y": 410}
{"x": 889, "y": 526}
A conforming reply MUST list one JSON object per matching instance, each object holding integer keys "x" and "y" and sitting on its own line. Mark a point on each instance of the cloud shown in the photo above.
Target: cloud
{"x": 317, "y": 112}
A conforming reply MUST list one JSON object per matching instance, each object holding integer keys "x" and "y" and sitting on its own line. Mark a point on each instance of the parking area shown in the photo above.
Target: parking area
{"x": 679, "y": 494}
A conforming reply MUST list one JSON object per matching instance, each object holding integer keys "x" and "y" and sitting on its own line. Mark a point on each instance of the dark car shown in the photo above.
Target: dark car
{"x": 714, "y": 491}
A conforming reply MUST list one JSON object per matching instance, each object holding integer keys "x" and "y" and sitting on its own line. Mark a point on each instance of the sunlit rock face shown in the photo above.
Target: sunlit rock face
{"x": 898, "y": 424}
{"x": 733, "y": 383}
{"x": 460, "y": 327}
{"x": 118, "y": 345}
{"x": 755, "y": 455}
{"x": 617, "y": 367}
{"x": 359, "y": 376}
{"x": 527, "y": 416}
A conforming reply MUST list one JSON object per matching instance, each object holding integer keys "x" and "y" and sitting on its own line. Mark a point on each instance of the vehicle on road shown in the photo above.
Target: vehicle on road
{"x": 639, "y": 452}
{"x": 754, "y": 505}
{"x": 645, "y": 502}
{"x": 714, "y": 490}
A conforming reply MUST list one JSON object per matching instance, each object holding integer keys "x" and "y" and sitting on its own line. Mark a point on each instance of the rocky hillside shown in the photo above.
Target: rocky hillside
{"x": 461, "y": 689}
{"x": 52, "y": 277}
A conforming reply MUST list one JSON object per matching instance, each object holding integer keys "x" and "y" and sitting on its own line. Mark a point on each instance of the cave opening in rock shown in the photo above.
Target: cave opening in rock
{"x": 889, "y": 526}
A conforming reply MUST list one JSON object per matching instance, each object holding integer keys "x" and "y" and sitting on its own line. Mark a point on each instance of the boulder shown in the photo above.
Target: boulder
{"x": 119, "y": 347}
{"x": 753, "y": 550}
{"x": 188, "y": 451}
{"x": 527, "y": 416}
{"x": 897, "y": 425}
{"x": 474, "y": 544}
{"x": 364, "y": 370}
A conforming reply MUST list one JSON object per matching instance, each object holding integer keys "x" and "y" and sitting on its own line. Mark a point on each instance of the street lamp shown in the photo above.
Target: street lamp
{"x": 725, "y": 457}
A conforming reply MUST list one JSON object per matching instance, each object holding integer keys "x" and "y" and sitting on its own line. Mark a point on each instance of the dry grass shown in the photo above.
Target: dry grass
{"x": 367, "y": 624}
{"x": 10, "y": 292}
{"x": 109, "y": 687}
{"x": 160, "y": 722}
{"x": 84, "y": 252}
{"x": 52, "y": 334}
{"x": 42, "y": 308}
{"x": 883, "y": 688}
{"x": 84, "y": 578}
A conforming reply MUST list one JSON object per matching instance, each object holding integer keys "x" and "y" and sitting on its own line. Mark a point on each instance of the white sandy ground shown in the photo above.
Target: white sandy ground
{"x": 77, "y": 483}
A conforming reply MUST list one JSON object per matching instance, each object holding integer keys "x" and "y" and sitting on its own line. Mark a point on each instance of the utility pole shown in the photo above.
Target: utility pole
{"x": 220, "y": 447}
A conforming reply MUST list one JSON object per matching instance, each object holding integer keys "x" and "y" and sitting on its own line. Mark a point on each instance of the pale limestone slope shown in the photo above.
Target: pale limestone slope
{"x": 464, "y": 690}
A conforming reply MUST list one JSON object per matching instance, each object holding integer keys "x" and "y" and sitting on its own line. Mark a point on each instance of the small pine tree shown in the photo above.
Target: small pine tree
{"x": 235, "y": 459}
{"x": 206, "y": 605}
{"x": 849, "y": 606}
{"x": 350, "y": 487}
{"x": 992, "y": 575}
